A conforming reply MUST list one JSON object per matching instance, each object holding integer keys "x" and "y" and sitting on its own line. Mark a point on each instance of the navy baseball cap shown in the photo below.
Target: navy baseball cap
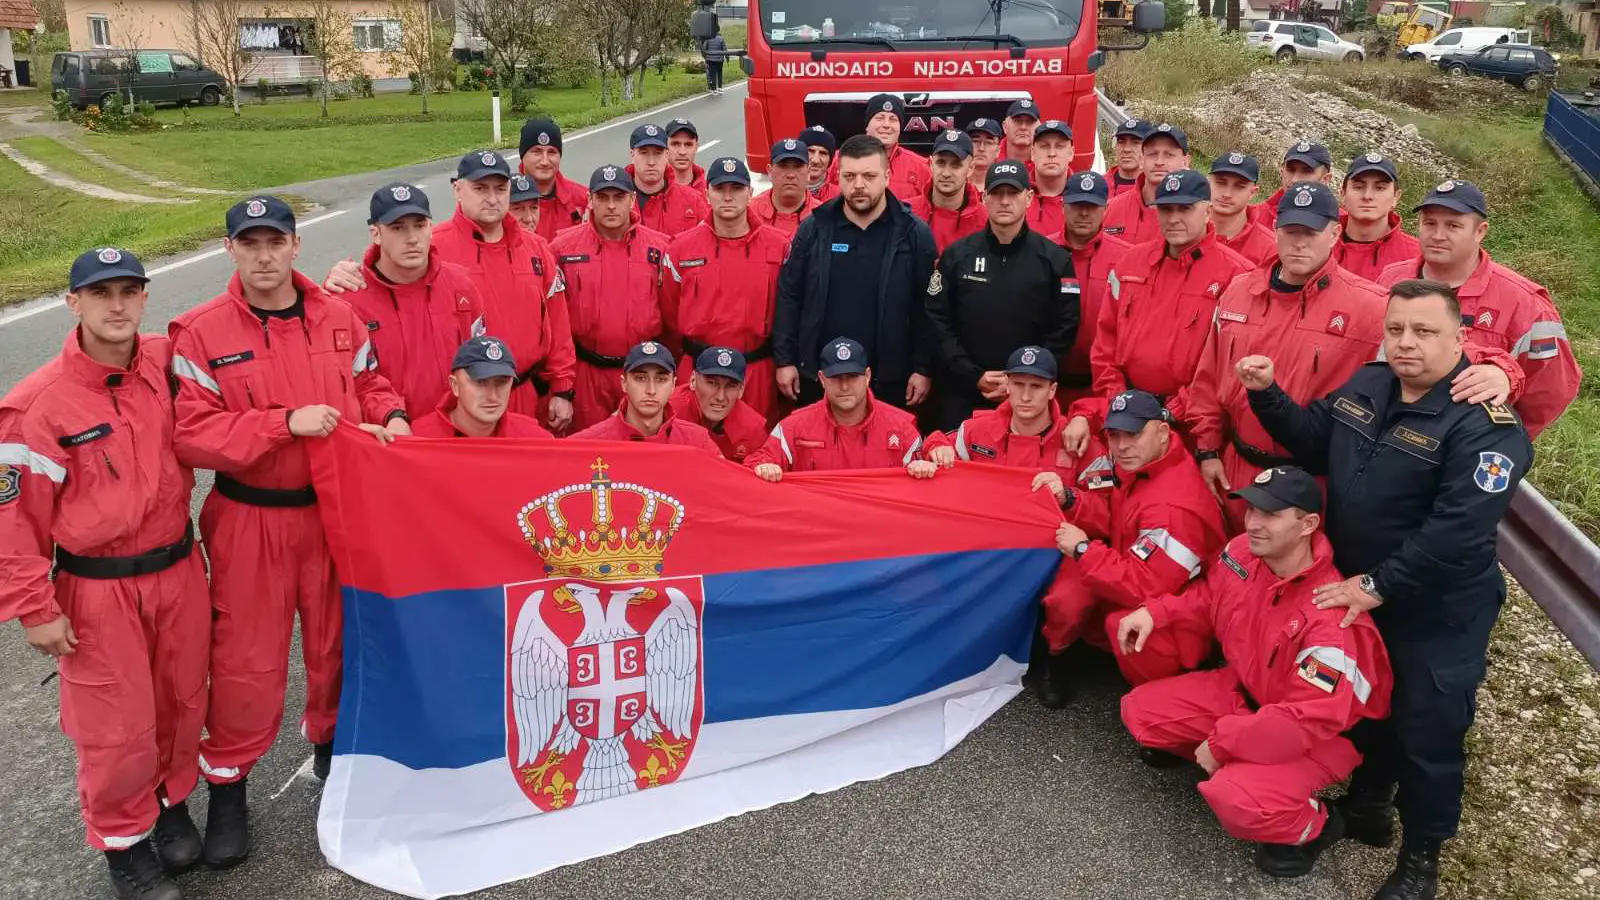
{"x": 1138, "y": 128}
{"x": 649, "y": 353}
{"x": 1170, "y": 131}
{"x": 789, "y": 149}
{"x": 647, "y": 135}
{"x": 682, "y": 124}
{"x": 727, "y": 170}
{"x": 1311, "y": 154}
{"x": 611, "y": 178}
{"x": 1087, "y": 187}
{"x": 484, "y": 358}
{"x": 260, "y": 212}
{"x": 886, "y": 103}
{"x": 843, "y": 356}
{"x": 953, "y": 142}
{"x": 481, "y": 164}
{"x": 724, "y": 361}
{"x": 1461, "y": 196}
{"x": 1023, "y": 108}
{"x": 1282, "y": 487}
{"x": 1006, "y": 172}
{"x": 1372, "y": 162}
{"x": 541, "y": 133}
{"x": 104, "y": 264}
{"x": 985, "y": 126}
{"x": 393, "y": 201}
{"x": 1052, "y": 126}
{"x": 1031, "y": 360}
{"x": 1184, "y": 187}
{"x": 817, "y": 136}
{"x": 1235, "y": 163}
{"x": 1132, "y": 410}
{"x": 1309, "y": 203}
{"x": 523, "y": 189}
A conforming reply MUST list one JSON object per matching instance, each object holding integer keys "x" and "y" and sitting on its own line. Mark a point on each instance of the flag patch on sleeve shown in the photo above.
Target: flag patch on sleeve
{"x": 1320, "y": 674}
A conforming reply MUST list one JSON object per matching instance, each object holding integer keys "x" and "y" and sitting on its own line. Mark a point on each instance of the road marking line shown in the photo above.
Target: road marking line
{"x": 708, "y": 145}
{"x": 304, "y": 768}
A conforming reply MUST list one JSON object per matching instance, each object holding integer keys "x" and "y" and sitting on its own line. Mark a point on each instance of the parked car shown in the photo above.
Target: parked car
{"x": 1464, "y": 40}
{"x": 157, "y": 76}
{"x": 1289, "y": 41}
{"x": 1524, "y": 65}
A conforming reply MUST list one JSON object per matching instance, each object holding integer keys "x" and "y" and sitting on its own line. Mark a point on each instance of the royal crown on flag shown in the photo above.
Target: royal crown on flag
{"x": 602, "y": 550}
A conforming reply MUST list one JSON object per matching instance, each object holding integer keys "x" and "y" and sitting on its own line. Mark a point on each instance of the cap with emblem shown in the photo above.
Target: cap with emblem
{"x": 1131, "y": 410}
{"x": 1281, "y": 488}
{"x": 789, "y": 150}
{"x": 1169, "y": 131}
{"x": 1313, "y": 155}
{"x": 1372, "y": 162}
{"x": 1137, "y": 128}
{"x": 1006, "y": 173}
{"x": 892, "y": 103}
{"x": 1052, "y": 126}
{"x": 1235, "y": 163}
{"x": 1023, "y": 109}
{"x": 724, "y": 361}
{"x": 1308, "y": 203}
{"x": 843, "y": 356}
{"x": 523, "y": 189}
{"x": 647, "y": 135}
{"x": 1031, "y": 360}
{"x": 1461, "y": 196}
{"x": 1086, "y": 187}
{"x": 480, "y": 164}
{"x": 727, "y": 170}
{"x": 649, "y": 353}
{"x": 393, "y": 201}
{"x": 610, "y": 178}
{"x": 987, "y": 126}
{"x": 1184, "y": 187}
{"x": 682, "y": 124}
{"x": 104, "y": 264}
{"x": 817, "y": 136}
{"x": 539, "y": 133}
{"x": 485, "y": 358}
{"x": 953, "y": 142}
{"x": 260, "y": 212}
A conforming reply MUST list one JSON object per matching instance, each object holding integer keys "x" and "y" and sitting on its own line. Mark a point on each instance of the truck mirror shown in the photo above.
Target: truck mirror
{"x": 1149, "y": 17}
{"x": 747, "y": 65}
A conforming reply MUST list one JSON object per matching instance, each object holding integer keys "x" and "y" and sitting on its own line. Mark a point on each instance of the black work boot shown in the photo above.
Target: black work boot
{"x": 1161, "y": 759}
{"x": 1055, "y": 682}
{"x": 176, "y": 840}
{"x": 136, "y": 874}
{"x": 1416, "y": 874}
{"x": 1368, "y": 816}
{"x": 321, "y": 760}
{"x": 1295, "y": 860}
{"x": 227, "y": 826}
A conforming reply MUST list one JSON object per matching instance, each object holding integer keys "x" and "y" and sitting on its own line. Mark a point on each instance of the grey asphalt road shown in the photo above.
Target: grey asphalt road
{"x": 1035, "y": 804}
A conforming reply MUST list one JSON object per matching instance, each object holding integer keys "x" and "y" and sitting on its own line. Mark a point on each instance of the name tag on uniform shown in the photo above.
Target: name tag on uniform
{"x": 1116, "y": 229}
{"x": 580, "y": 257}
{"x": 841, "y": 248}
{"x": 1417, "y": 438}
{"x": 1228, "y": 315}
{"x": 983, "y": 451}
{"x": 1354, "y": 410}
{"x": 84, "y": 437}
{"x": 809, "y": 445}
{"x": 247, "y": 355}
{"x": 1234, "y": 566}
{"x": 691, "y": 263}
{"x": 968, "y": 276}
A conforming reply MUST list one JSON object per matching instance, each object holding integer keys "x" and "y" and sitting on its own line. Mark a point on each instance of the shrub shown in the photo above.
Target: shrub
{"x": 361, "y": 86}
{"x": 62, "y": 106}
{"x": 1180, "y": 63}
{"x": 262, "y": 87}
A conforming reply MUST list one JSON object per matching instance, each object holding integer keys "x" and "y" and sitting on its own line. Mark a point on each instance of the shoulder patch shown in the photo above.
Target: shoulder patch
{"x": 1319, "y": 674}
{"x": 10, "y": 483}
{"x": 538, "y": 267}
{"x": 653, "y": 256}
{"x": 84, "y": 437}
{"x": 1235, "y": 566}
{"x": 1493, "y": 474}
{"x": 1500, "y": 414}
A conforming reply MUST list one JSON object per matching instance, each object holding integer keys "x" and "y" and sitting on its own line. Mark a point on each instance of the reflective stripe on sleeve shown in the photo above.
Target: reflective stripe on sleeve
{"x": 557, "y": 284}
{"x": 364, "y": 361}
{"x": 1334, "y": 658}
{"x": 912, "y": 453}
{"x": 961, "y": 443}
{"x": 783, "y": 441}
{"x": 478, "y": 328}
{"x": 185, "y": 368}
{"x": 39, "y": 464}
{"x": 1173, "y": 547}
{"x": 1115, "y": 284}
{"x": 1541, "y": 342}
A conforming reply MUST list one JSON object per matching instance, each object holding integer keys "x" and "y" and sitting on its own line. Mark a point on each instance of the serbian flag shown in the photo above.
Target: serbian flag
{"x": 556, "y": 650}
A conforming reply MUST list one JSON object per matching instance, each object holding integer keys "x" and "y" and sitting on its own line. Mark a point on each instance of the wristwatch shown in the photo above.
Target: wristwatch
{"x": 1371, "y": 587}
{"x": 1206, "y": 455}
{"x": 1080, "y": 549}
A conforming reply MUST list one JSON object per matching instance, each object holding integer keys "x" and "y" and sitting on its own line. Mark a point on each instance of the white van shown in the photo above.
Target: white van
{"x": 1465, "y": 40}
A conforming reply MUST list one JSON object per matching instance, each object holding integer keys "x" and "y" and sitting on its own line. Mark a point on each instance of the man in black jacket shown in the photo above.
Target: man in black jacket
{"x": 994, "y": 291}
{"x": 858, "y": 267}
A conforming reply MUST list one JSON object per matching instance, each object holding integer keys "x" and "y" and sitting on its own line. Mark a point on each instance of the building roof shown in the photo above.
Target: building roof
{"x": 18, "y": 14}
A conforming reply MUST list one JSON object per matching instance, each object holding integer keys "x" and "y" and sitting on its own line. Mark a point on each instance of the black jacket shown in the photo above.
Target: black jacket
{"x": 903, "y": 345}
{"x": 988, "y": 298}
{"x": 1416, "y": 491}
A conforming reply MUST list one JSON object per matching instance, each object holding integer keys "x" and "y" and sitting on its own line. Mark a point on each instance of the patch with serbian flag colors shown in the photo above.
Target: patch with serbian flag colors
{"x": 1320, "y": 674}
{"x": 545, "y": 664}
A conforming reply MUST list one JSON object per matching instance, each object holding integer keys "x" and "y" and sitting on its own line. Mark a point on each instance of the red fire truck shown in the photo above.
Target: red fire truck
{"x": 817, "y": 62}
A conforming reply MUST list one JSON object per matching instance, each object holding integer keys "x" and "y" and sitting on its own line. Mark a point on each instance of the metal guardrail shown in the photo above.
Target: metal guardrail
{"x": 1576, "y": 132}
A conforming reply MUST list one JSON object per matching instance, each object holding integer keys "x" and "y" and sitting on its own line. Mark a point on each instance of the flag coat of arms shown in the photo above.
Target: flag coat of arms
{"x": 558, "y": 650}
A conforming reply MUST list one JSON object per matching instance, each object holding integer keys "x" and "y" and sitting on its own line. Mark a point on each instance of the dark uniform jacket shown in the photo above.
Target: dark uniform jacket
{"x": 1415, "y": 491}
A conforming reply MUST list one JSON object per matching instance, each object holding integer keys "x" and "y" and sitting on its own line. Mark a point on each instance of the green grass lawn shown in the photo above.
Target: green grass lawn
{"x": 23, "y": 97}
{"x": 69, "y": 162}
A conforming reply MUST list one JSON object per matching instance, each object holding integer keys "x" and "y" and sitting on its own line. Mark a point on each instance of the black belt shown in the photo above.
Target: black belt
{"x": 693, "y": 348}
{"x": 258, "y": 496}
{"x": 597, "y": 359}
{"x": 110, "y": 567}
{"x": 1256, "y": 456}
{"x": 529, "y": 376}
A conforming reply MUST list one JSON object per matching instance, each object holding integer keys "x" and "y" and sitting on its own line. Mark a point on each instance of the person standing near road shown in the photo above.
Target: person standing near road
{"x": 683, "y": 146}
{"x": 1094, "y": 255}
{"x": 820, "y": 147}
{"x": 259, "y": 370}
{"x": 562, "y": 201}
{"x": 1415, "y": 533}
{"x": 1131, "y": 215}
{"x": 908, "y": 173}
{"x": 476, "y": 403}
{"x": 1304, "y": 162}
{"x": 858, "y": 267}
{"x": 713, "y": 400}
{"x": 986, "y": 135}
{"x": 90, "y": 486}
{"x": 715, "y": 53}
{"x": 1371, "y": 237}
{"x": 1127, "y": 155}
{"x": 788, "y": 202}
{"x": 1233, "y": 184}
{"x": 644, "y": 413}
{"x": 1052, "y": 157}
{"x": 953, "y": 206}
{"x": 664, "y": 204}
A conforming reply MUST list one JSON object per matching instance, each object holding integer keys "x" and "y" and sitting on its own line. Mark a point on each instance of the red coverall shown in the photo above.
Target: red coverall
{"x": 1254, "y": 243}
{"x": 86, "y": 466}
{"x": 696, "y": 183}
{"x": 1265, "y": 213}
{"x": 909, "y": 176}
{"x": 437, "y": 424}
{"x": 1275, "y": 715}
{"x": 1116, "y": 187}
{"x": 416, "y": 328}
{"x": 613, "y": 292}
{"x": 809, "y": 440}
{"x": 1128, "y": 217}
{"x": 1048, "y": 215}
{"x": 743, "y": 431}
{"x": 674, "y": 209}
{"x": 523, "y": 299}
{"x": 1092, "y": 263}
{"x": 565, "y": 206}
{"x": 950, "y": 225}
{"x": 673, "y": 431}
{"x": 762, "y": 212}
{"x": 1505, "y": 311}
{"x": 1368, "y": 260}
{"x": 238, "y": 379}
{"x": 721, "y": 292}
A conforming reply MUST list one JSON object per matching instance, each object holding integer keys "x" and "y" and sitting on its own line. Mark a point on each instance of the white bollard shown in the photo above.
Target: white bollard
{"x": 496, "y": 102}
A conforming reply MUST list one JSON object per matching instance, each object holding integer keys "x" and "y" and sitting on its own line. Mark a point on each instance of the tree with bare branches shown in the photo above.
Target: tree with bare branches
{"x": 331, "y": 40}
{"x": 626, "y": 34}
{"x": 424, "y": 45}
{"x": 510, "y": 30}
{"x": 214, "y": 28}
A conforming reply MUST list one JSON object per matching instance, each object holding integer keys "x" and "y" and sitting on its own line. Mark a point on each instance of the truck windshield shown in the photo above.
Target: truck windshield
{"x": 933, "y": 24}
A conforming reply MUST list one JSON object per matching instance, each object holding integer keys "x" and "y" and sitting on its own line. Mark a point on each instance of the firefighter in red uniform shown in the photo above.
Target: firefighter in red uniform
{"x": 985, "y": 135}
{"x": 788, "y": 201}
{"x": 1370, "y": 235}
{"x": 1268, "y": 727}
{"x": 953, "y": 206}
{"x": 1233, "y": 184}
{"x": 479, "y": 392}
{"x": 846, "y": 429}
{"x": 261, "y": 368}
{"x": 1500, "y": 308}
{"x": 683, "y": 146}
{"x": 1022, "y": 118}
{"x": 613, "y": 268}
{"x": 1304, "y": 162}
{"x": 711, "y": 400}
{"x": 1094, "y": 255}
{"x": 525, "y": 203}
{"x": 664, "y": 204}
{"x": 722, "y": 283}
{"x": 563, "y": 201}
{"x": 89, "y": 484}
{"x": 1143, "y": 538}
{"x": 909, "y": 175}
{"x": 1127, "y": 156}
{"x": 418, "y": 308}
{"x": 645, "y": 413}
{"x": 820, "y": 146}
{"x": 1052, "y": 157}
{"x": 1131, "y": 215}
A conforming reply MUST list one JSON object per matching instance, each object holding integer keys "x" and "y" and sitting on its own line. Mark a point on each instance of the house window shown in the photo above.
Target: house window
{"x": 377, "y": 34}
{"x": 99, "y": 31}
